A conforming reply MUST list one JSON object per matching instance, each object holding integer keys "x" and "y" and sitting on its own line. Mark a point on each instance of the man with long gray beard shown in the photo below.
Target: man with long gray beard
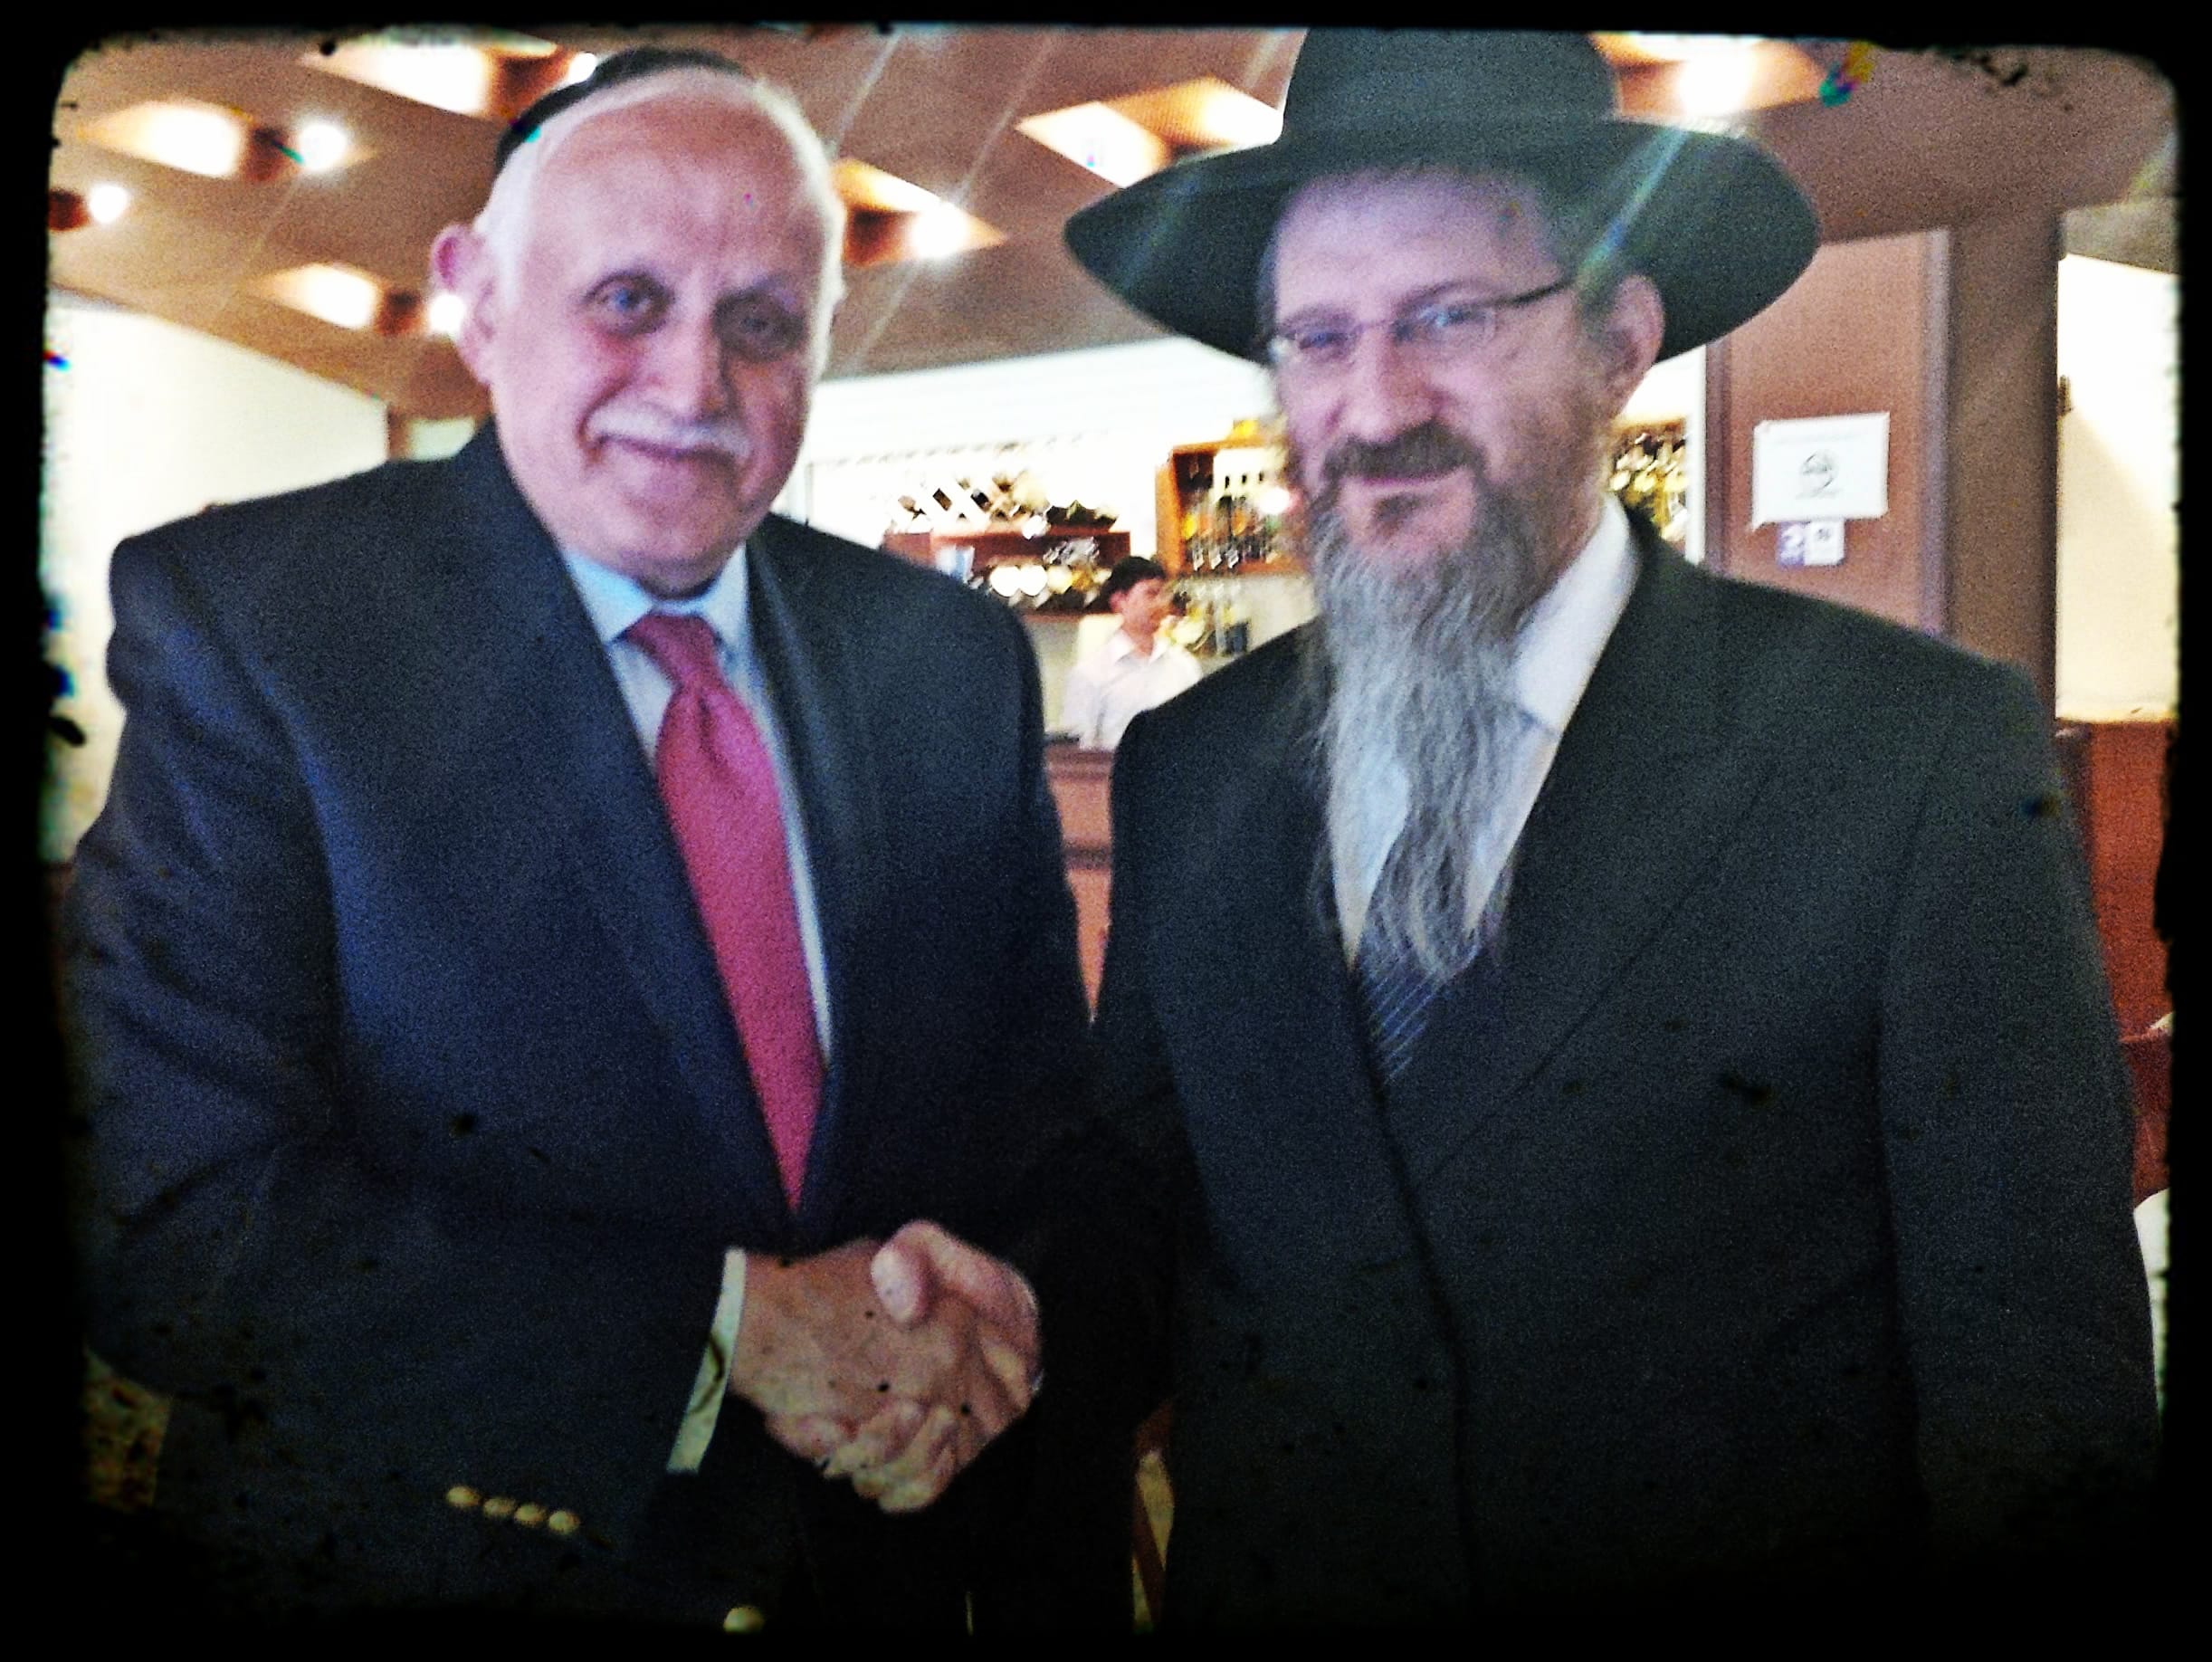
{"x": 1610, "y": 1097}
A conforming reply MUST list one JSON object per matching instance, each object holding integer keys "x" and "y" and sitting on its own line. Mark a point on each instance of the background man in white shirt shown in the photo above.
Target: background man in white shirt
{"x": 1610, "y": 1093}
{"x": 1134, "y": 668}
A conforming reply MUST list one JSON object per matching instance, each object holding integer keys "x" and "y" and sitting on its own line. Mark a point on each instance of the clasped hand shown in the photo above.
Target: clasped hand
{"x": 892, "y": 1366}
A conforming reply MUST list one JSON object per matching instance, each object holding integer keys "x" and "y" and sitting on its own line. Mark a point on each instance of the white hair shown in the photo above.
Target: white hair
{"x": 506, "y": 215}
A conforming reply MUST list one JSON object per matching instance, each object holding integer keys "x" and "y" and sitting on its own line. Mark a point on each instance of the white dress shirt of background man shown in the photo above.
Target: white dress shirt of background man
{"x": 1136, "y": 668}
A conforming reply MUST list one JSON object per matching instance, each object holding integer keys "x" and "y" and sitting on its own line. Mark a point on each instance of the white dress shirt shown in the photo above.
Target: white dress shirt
{"x": 615, "y": 602}
{"x": 1559, "y": 648}
{"x": 1117, "y": 683}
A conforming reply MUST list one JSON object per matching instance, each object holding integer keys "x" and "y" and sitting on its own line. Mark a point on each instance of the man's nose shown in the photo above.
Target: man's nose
{"x": 1383, "y": 391}
{"x": 688, "y": 370}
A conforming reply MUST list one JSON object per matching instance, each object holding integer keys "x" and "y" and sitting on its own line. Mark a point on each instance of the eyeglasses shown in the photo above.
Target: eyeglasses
{"x": 1442, "y": 331}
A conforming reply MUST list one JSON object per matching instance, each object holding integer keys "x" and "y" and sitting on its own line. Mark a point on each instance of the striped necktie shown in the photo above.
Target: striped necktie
{"x": 1395, "y": 994}
{"x": 718, "y": 783}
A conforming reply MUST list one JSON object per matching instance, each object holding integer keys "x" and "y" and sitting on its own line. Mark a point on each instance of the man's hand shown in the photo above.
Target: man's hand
{"x": 932, "y": 1287}
{"x": 922, "y": 1263}
{"x": 898, "y": 1393}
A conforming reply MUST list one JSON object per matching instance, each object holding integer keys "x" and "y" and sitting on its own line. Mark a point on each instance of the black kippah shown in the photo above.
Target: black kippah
{"x": 633, "y": 64}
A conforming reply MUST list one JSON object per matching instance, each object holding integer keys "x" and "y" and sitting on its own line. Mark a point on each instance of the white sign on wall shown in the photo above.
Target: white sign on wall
{"x": 1827, "y": 467}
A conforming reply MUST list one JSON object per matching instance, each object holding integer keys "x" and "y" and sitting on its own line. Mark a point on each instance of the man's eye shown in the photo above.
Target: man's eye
{"x": 1321, "y": 341}
{"x": 629, "y": 305}
{"x": 1452, "y": 321}
{"x": 762, "y": 333}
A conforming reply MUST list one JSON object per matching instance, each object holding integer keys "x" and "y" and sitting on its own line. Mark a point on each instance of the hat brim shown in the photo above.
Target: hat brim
{"x": 1715, "y": 223}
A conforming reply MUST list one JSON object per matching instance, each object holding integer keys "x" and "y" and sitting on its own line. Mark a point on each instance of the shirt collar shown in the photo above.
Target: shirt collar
{"x": 1567, "y": 628}
{"x": 615, "y": 602}
{"x": 1119, "y": 645}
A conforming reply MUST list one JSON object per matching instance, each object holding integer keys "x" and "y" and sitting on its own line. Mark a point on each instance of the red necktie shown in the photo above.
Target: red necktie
{"x": 719, "y": 785}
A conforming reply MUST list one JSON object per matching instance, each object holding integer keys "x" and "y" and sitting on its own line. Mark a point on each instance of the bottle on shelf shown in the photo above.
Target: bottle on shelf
{"x": 1239, "y": 522}
{"x": 1235, "y": 630}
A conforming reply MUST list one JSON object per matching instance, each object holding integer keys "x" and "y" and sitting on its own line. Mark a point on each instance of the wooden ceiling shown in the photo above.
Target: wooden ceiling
{"x": 1927, "y": 138}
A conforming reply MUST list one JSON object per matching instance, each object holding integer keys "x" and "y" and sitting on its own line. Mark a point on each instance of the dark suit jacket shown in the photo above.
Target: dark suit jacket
{"x": 416, "y": 1123}
{"x": 1756, "y": 1213}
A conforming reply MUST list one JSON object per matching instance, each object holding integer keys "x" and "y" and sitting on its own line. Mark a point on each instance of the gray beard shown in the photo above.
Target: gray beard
{"x": 1417, "y": 666}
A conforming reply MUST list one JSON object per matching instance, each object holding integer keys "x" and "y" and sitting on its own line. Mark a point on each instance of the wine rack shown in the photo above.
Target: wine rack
{"x": 1055, "y": 573}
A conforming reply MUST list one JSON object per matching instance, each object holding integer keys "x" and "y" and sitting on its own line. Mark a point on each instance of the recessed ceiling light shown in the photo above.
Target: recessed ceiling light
{"x": 107, "y": 203}
{"x": 181, "y": 133}
{"x": 444, "y": 74}
{"x": 1204, "y": 114}
{"x": 335, "y": 293}
{"x": 1685, "y": 48}
{"x": 1715, "y": 84}
{"x": 321, "y": 145}
{"x": 1125, "y": 139}
{"x": 893, "y": 219}
{"x": 1102, "y": 139}
{"x": 937, "y": 232}
{"x": 446, "y": 312}
{"x": 871, "y": 190}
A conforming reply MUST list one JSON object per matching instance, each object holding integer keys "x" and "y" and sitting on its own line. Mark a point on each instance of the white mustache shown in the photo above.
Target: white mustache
{"x": 722, "y": 435}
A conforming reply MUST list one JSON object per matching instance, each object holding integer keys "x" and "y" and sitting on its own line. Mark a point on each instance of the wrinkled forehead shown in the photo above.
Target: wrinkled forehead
{"x": 720, "y": 153}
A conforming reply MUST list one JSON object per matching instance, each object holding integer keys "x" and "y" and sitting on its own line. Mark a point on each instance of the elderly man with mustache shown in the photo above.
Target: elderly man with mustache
{"x": 552, "y": 921}
{"x": 1609, "y": 1091}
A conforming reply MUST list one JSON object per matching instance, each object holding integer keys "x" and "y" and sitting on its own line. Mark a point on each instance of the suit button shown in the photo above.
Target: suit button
{"x": 563, "y": 1521}
{"x": 529, "y": 1514}
{"x": 500, "y": 1506}
{"x": 463, "y": 1498}
{"x": 745, "y": 1618}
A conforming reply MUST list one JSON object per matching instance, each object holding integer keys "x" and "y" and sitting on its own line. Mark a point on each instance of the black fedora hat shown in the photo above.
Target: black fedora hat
{"x": 1713, "y": 220}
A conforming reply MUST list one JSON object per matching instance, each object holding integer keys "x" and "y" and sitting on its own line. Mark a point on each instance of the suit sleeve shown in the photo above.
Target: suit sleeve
{"x": 1125, "y": 1173}
{"x": 362, "y": 1331}
{"x": 2007, "y": 1133}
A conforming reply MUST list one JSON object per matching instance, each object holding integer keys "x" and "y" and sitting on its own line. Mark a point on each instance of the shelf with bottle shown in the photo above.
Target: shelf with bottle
{"x": 1053, "y": 574}
{"x": 1210, "y": 618}
{"x": 1223, "y": 506}
{"x": 1006, "y": 535}
{"x": 1651, "y": 474}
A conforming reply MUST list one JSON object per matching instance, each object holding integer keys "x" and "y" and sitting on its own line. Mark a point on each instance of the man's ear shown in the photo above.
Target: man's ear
{"x": 1629, "y": 336}
{"x": 464, "y": 266}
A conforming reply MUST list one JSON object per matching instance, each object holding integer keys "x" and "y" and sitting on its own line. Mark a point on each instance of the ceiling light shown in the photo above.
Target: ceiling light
{"x": 107, "y": 203}
{"x": 579, "y": 67}
{"x": 871, "y": 190}
{"x": 181, "y": 133}
{"x": 446, "y": 75}
{"x": 447, "y": 311}
{"x": 1233, "y": 119}
{"x": 892, "y": 218}
{"x": 1205, "y": 114}
{"x": 1127, "y": 138}
{"x": 321, "y": 145}
{"x": 942, "y": 230}
{"x": 335, "y": 293}
{"x": 1102, "y": 139}
{"x": 1716, "y": 83}
{"x": 1685, "y": 48}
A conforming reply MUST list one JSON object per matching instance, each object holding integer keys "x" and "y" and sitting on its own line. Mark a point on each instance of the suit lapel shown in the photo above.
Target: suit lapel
{"x": 815, "y": 676}
{"x": 538, "y": 657}
{"x": 1648, "y": 783}
{"x": 1265, "y": 1003}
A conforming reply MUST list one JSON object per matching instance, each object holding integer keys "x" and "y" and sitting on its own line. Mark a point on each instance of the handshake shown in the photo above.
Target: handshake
{"x": 893, "y": 1366}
